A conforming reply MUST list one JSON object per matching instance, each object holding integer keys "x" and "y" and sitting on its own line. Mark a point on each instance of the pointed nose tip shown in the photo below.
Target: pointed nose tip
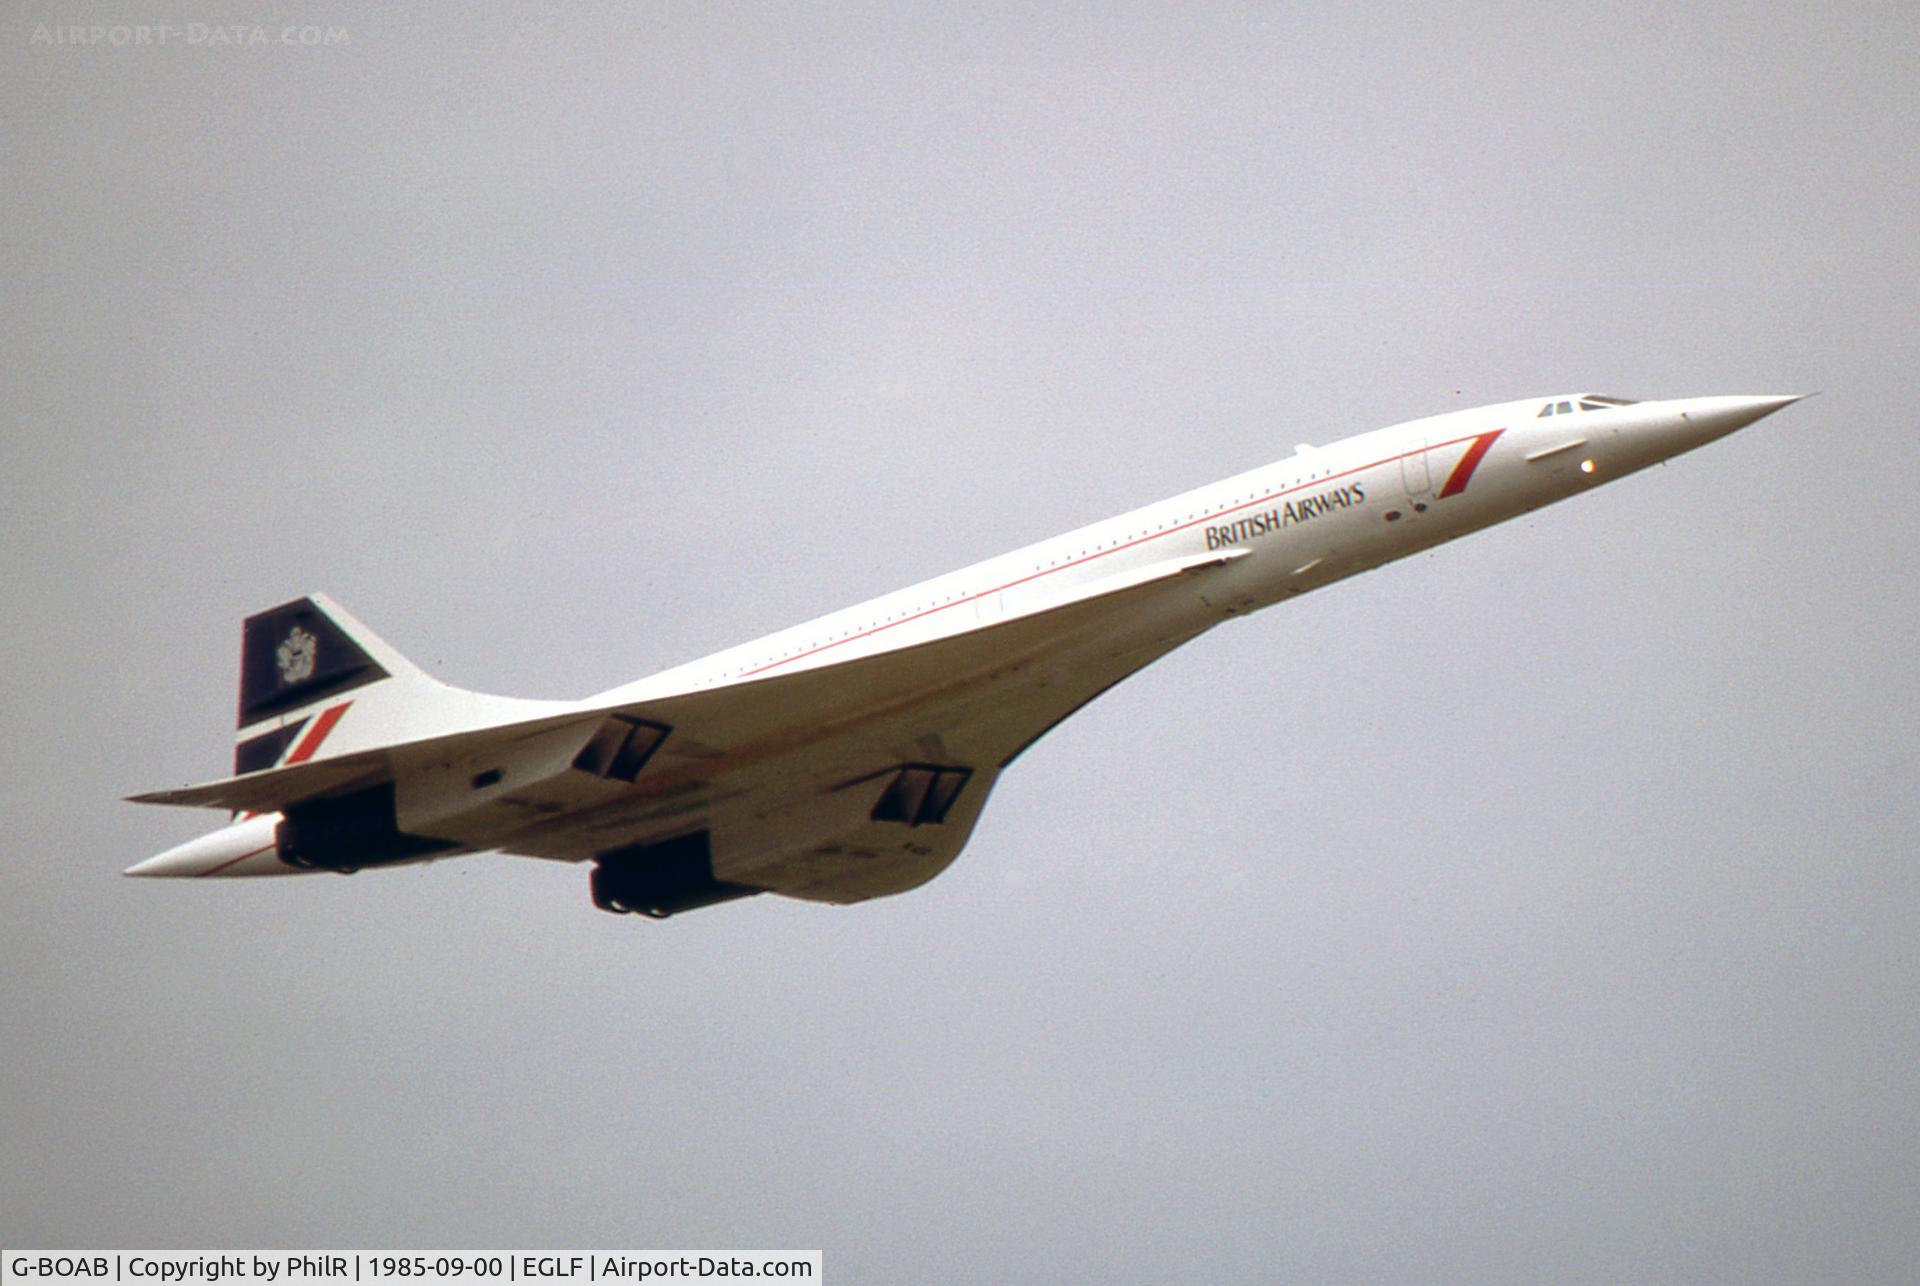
{"x": 1721, "y": 415}
{"x": 1759, "y": 408}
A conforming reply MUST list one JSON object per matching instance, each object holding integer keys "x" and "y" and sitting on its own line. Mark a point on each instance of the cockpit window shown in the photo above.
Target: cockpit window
{"x": 1587, "y": 402}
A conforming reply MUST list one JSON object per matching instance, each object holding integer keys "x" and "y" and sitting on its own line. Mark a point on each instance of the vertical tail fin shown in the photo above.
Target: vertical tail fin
{"x": 298, "y": 664}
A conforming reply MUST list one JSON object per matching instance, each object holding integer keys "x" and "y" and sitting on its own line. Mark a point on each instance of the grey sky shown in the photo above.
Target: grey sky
{"x": 1541, "y": 907}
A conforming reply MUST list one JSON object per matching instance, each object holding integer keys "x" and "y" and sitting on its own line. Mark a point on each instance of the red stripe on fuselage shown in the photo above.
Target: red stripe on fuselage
{"x": 1463, "y": 472}
{"x": 1481, "y": 441}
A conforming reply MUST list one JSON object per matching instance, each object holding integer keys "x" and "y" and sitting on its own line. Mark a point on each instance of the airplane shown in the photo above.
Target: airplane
{"x": 850, "y": 757}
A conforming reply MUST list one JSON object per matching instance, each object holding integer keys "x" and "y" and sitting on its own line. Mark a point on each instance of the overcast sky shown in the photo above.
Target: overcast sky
{"x": 1544, "y": 907}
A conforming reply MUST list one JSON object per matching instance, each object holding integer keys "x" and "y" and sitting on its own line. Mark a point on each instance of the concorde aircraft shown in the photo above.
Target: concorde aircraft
{"x": 849, "y": 758}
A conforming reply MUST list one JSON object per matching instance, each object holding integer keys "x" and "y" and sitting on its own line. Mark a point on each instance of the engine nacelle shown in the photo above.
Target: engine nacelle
{"x": 348, "y": 832}
{"x": 658, "y": 880}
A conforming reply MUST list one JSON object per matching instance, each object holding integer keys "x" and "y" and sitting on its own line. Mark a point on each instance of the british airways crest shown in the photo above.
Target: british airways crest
{"x": 296, "y": 654}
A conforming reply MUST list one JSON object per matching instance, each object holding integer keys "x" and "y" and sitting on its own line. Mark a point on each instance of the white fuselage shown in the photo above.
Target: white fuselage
{"x": 1315, "y": 517}
{"x": 1321, "y": 514}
